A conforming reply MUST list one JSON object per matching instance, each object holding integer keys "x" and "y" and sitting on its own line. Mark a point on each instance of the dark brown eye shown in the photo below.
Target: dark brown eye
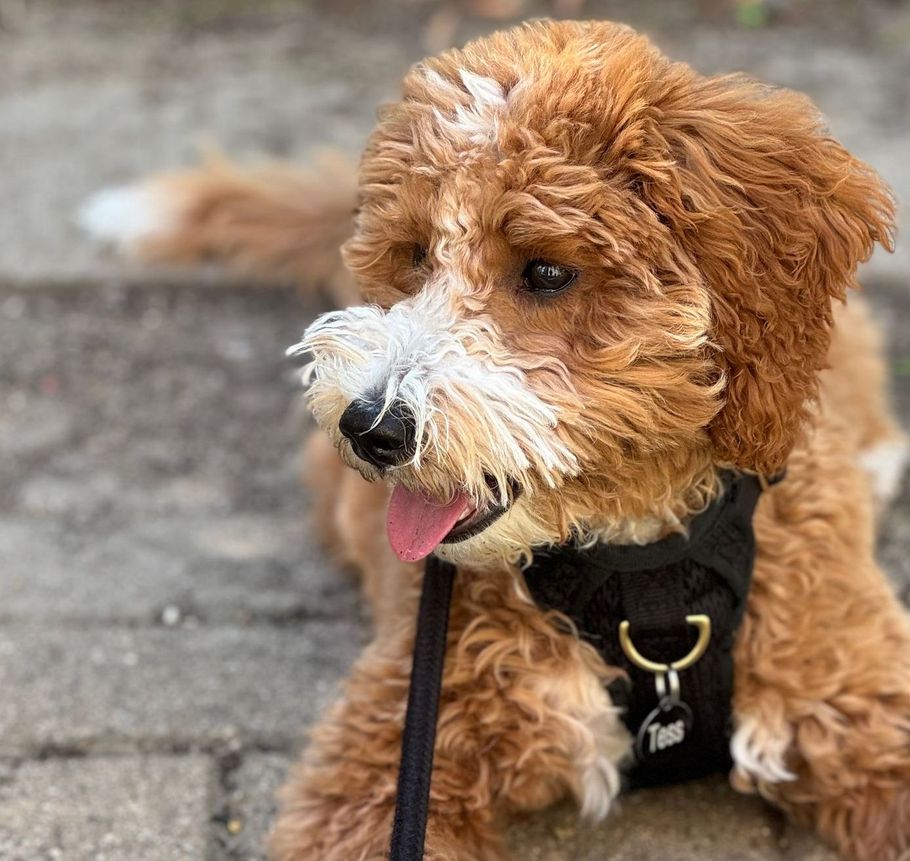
{"x": 418, "y": 255}
{"x": 541, "y": 276}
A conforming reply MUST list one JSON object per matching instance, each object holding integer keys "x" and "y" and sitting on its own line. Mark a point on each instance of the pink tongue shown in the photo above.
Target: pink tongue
{"x": 416, "y": 524}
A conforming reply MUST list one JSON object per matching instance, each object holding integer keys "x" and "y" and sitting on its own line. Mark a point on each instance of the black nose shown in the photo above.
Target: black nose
{"x": 388, "y": 442}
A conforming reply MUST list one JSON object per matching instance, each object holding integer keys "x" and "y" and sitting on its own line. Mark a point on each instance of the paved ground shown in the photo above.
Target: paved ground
{"x": 167, "y": 628}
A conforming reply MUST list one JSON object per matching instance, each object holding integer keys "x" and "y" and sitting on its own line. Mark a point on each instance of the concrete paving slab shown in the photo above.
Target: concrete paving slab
{"x": 149, "y": 85}
{"x": 694, "y": 822}
{"x": 797, "y": 844}
{"x": 283, "y": 77}
{"x": 150, "y": 439}
{"x": 108, "y": 689}
{"x": 107, "y": 809}
{"x": 149, "y": 402}
{"x": 237, "y": 568}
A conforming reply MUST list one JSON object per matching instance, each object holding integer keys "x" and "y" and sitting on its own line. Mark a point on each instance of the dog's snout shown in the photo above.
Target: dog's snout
{"x": 390, "y": 441}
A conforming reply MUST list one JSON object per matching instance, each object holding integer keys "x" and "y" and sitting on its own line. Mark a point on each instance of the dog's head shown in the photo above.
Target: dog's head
{"x": 595, "y": 277}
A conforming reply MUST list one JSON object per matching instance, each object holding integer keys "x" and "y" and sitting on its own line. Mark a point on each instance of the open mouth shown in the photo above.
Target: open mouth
{"x": 418, "y": 524}
{"x": 475, "y": 521}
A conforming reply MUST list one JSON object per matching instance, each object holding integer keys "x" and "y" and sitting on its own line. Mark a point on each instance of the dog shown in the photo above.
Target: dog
{"x": 594, "y": 282}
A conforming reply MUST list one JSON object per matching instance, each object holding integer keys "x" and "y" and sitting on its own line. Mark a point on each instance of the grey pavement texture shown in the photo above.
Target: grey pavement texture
{"x": 106, "y": 808}
{"x": 168, "y": 627}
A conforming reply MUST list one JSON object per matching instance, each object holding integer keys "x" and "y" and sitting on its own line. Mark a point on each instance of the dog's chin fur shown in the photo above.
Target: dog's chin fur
{"x": 714, "y": 226}
{"x": 512, "y": 539}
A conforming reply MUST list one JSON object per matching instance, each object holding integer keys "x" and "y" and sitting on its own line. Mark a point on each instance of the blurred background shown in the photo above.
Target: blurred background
{"x": 168, "y": 627}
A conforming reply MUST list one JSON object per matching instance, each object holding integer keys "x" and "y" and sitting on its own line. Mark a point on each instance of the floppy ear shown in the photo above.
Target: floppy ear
{"x": 776, "y": 215}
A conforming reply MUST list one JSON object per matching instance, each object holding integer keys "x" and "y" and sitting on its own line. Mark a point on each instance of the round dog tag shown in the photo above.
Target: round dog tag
{"x": 664, "y": 729}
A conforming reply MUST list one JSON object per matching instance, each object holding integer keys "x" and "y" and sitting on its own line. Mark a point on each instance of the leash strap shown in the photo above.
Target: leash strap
{"x": 413, "y": 799}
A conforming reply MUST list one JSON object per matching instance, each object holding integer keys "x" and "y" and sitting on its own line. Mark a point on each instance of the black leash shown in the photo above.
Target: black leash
{"x": 413, "y": 799}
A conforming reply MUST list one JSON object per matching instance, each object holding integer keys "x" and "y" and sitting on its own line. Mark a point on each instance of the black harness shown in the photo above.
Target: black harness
{"x": 681, "y": 597}
{"x": 666, "y": 613}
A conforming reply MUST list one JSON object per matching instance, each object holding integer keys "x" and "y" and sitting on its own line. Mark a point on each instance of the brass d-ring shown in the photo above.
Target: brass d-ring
{"x": 699, "y": 621}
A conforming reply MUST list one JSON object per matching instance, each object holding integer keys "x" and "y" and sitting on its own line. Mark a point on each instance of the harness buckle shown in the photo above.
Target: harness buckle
{"x": 699, "y": 621}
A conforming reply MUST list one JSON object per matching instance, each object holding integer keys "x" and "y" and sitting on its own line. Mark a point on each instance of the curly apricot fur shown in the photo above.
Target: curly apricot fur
{"x": 715, "y": 226}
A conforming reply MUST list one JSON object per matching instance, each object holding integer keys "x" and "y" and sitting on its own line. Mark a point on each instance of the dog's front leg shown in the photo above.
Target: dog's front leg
{"x": 823, "y": 665}
{"x": 339, "y": 801}
{"x": 524, "y": 720}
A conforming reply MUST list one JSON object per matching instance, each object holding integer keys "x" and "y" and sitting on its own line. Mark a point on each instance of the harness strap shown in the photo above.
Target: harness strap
{"x": 412, "y": 801}
{"x": 653, "y": 613}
